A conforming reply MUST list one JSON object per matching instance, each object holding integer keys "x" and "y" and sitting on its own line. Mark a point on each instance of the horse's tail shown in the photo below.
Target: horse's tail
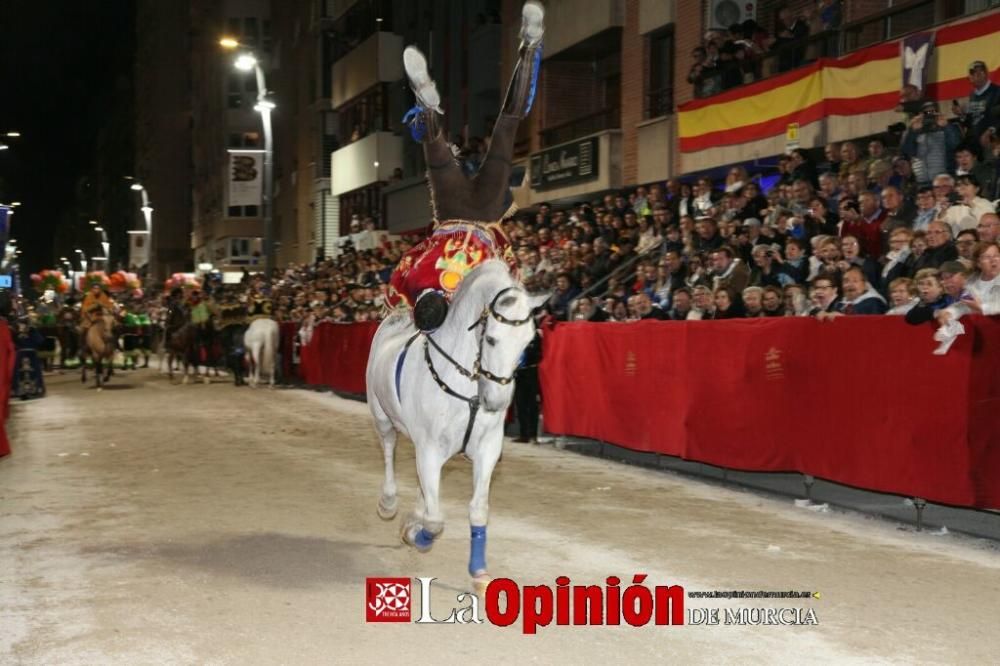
{"x": 270, "y": 351}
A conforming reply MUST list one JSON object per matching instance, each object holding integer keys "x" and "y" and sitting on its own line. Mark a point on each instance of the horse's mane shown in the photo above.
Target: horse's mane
{"x": 478, "y": 288}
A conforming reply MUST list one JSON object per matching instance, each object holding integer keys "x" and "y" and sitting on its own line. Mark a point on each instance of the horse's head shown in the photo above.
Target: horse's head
{"x": 507, "y": 329}
{"x": 502, "y": 325}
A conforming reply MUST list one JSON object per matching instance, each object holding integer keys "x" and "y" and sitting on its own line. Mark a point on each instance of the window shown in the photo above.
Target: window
{"x": 660, "y": 81}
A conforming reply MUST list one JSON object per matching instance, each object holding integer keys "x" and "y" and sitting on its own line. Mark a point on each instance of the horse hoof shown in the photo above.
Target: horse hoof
{"x": 207, "y": 380}
{"x": 184, "y": 381}
{"x": 410, "y": 533}
{"x": 99, "y": 389}
{"x": 386, "y": 510}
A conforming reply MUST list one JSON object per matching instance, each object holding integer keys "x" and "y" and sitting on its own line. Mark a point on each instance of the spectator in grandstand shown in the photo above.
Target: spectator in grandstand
{"x": 727, "y": 305}
{"x": 829, "y": 189}
{"x": 587, "y": 311}
{"x": 932, "y": 297}
{"x": 983, "y": 288}
{"x": 965, "y": 243}
{"x": 823, "y": 295}
{"x": 680, "y": 304}
{"x": 982, "y": 112}
{"x": 706, "y": 237}
{"x": 565, "y": 292}
{"x": 802, "y": 167}
{"x": 967, "y": 163}
{"x": 773, "y": 301}
{"x": 859, "y": 297}
{"x": 753, "y": 302}
{"x": 796, "y": 300}
{"x": 705, "y": 198}
{"x": 903, "y": 178}
{"x": 940, "y": 247}
{"x": 898, "y": 211}
{"x": 989, "y": 228}
{"x": 796, "y": 263}
{"x": 902, "y": 296}
{"x": 927, "y": 210}
{"x": 954, "y": 275}
{"x": 825, "y": 258}
{"x": 867, "y": 225}
{"x": 644, "y": 308}
{"x": 968, "y": 190}
{"x": 702, "y": 303}
{"x": 726, "y": 271}
{"x": 932, "y": 140}
{"x": 879, "y": 160}
{"x": 850, "y": 159}
{"x": 831, "y": 152}
{"x": 899, "y": 259}
{"x": 768, "y": 268}
{"x": 851, "y": 250}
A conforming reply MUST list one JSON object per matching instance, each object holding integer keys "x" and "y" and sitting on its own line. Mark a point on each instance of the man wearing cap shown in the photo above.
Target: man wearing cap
{"x": 983, "y": 110}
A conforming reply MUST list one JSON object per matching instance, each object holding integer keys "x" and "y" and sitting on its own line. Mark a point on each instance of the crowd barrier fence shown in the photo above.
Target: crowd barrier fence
{"x": 860, "y": 401}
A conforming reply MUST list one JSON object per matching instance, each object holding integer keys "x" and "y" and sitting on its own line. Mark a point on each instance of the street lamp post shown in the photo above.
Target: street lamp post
{"x": 247, "y": 61}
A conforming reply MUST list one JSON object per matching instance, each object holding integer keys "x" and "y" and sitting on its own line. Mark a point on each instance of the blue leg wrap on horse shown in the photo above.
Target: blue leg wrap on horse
{"x": 477, "y": 550}
{"x": 424, "y": 539}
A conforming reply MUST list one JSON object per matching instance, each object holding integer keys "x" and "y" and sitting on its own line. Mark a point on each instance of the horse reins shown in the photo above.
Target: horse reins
{"x": 477, "y": 367}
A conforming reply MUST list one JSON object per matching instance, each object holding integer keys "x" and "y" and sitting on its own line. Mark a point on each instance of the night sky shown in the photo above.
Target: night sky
{"x": 58, "y": 63}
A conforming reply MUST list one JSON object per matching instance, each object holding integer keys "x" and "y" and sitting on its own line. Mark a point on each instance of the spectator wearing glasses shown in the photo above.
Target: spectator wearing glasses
{"x": 926, "y": 208}
{"x": 940, "y": 247}
{"x": 823, "y": 295}
{"x": 703, "y": 304}
{"x": 932, "y": 297}
{"x": 989, "y": 228}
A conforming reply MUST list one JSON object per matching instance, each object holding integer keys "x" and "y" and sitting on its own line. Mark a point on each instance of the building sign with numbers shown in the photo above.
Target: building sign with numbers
{"x": 563, "y": 165}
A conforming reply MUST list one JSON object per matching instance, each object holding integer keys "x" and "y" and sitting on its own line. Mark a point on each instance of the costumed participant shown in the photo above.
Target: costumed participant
{"x": 467, "y": 211}
{"x": 69, "y": 343}
{"x": 201, "y": 310}
{"x": 232, "y": 326}
{"x": 131, "y": 339}
{"x": 96, "y": 303}
{"x": 145, "y": 325}
{"x": 28, "y": 381}
{"x": 258, "y": 306}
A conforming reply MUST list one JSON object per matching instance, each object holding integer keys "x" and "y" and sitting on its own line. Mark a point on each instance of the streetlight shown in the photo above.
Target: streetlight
{"x": 247, "y": 61}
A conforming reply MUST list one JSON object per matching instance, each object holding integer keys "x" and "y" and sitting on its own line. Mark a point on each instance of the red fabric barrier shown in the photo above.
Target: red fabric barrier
{"x": 337, "y": 356}
{"x": 287, "y": 330}
{"x": 860, "y": 401}
{"x": 6, "y": 376}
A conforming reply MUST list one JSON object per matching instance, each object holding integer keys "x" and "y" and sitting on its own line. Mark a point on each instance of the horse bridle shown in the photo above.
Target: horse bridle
{"x": 477, "y": 366}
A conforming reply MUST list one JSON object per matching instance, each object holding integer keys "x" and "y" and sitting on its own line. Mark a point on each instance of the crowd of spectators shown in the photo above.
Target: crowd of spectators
{"x": 868, "y": 229}
{"x": 728, "y": 58}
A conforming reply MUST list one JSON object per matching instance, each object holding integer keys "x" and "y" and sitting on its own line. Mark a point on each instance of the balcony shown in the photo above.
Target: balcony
{"x": 366, "y": 161}
{"x": 569, "y": 22}
{"x": 378, "y": 59}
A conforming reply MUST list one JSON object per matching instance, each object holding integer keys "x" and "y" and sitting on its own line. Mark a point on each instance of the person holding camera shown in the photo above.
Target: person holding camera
{"x": 982, "y": 113}
{"x": 931, "y": 140}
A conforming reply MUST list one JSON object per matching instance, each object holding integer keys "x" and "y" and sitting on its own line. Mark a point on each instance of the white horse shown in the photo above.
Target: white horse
{"x": 261, "y": 342}
{"x": 448, "y": 391}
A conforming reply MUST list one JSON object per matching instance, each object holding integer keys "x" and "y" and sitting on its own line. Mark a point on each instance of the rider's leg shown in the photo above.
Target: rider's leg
{"x": 444, "y": 172}
{"x": 492, "y": 182}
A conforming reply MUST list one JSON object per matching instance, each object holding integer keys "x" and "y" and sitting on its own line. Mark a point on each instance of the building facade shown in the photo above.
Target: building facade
{"x": 163, "y": 130}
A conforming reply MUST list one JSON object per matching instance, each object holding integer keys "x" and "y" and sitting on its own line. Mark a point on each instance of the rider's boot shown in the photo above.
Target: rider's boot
{"x": 430, "y": 310}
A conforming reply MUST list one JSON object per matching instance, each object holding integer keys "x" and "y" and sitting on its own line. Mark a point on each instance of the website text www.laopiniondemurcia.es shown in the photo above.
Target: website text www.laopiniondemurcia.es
{"x": 636, "y": 605}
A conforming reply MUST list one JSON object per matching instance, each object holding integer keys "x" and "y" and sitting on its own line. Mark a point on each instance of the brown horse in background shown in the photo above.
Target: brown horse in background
{"x": 99, "y": 345}
{"x": 182, "y": 343}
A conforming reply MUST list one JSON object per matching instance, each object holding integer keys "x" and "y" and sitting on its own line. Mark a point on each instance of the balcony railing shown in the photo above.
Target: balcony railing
{"x": 595, "y": 122}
